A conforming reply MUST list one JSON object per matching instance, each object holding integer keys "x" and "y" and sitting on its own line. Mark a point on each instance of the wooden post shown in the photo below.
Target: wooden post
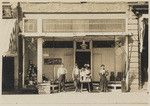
{"x": 74, "y": 51}
{"x": 39, "y": 58}
{"x": 53, "y": 60}
{"x": 91, "y": 49}
{"x": 127, "y": 64}
{"x": 115, "y": 56}
{"x": 23, "y": 75}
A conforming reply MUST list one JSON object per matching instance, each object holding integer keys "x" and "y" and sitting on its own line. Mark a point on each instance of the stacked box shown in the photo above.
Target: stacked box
{"x": 44, "y": 88}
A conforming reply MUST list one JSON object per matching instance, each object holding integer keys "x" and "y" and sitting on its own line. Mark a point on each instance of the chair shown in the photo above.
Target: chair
{"x": 112, "y": 76}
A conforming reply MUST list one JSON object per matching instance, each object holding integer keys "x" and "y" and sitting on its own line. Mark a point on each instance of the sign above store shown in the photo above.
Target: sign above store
{"x": 52, "y": 61}
{"x": 83, "y": 25}
{"x": 74, "y": 24}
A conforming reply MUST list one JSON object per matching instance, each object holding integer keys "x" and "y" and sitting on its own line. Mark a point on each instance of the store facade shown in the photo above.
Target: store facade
{"x": 81, "y": 33}
{"x": 60, "y": 38}
{"x": 67, "y": 48}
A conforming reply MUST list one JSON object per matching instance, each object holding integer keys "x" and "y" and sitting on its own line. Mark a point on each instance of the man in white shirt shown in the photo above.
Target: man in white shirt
{"x": 75, "y": 76}
{"x": 61, "y": 73}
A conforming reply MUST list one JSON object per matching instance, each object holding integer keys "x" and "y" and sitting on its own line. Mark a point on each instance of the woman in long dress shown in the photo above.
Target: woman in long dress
{"x": 103, "y": 80}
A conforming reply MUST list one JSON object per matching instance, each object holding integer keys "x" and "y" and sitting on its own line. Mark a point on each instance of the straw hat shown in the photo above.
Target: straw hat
{"x": 86, "y": 65}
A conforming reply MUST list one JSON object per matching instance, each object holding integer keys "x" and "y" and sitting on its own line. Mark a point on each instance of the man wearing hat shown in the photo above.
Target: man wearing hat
{"x": 61, "y": 74}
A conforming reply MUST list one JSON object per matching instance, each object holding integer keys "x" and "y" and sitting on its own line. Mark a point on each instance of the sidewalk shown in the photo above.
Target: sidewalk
{"x": 80, "y": 98}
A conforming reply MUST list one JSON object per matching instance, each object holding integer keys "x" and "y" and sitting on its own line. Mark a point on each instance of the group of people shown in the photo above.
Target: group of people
{"x": 79, "y": 74}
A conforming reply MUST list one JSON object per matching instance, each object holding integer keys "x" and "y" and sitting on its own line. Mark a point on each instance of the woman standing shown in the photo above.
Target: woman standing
{"x": 103, "y": 80}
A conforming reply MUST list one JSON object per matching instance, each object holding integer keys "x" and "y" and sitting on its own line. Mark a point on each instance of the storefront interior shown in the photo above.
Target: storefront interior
{"x": 107, "y": 50}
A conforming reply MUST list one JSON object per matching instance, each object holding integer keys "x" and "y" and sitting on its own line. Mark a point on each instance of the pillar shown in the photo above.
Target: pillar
{"x": 39, "y": 59}
{"x": 127, "y": 65}
{"x": 23, "y": 50}
{"x": 91, "y": 49}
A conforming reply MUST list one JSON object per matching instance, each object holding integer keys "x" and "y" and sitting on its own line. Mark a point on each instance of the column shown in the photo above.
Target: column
{"x": 74, "y": 52}
{"x": 91, "y": 49}
{"x": 39, "y": 59}
{"x": 23, "y": 74}
{"x": 127, "y": 71}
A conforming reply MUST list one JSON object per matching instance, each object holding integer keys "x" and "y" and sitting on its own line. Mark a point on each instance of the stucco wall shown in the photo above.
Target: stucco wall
{"x": 73, "y": 7}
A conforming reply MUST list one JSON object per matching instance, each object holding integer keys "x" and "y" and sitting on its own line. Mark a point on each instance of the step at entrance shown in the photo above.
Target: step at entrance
{"x": 112, "y": 86}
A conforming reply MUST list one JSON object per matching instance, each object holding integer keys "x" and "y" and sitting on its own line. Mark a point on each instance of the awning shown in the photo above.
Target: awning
{"x": 8, "y": 31}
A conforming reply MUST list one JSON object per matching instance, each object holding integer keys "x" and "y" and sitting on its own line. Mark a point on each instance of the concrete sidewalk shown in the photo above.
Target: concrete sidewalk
{"x": 79, "y": 98}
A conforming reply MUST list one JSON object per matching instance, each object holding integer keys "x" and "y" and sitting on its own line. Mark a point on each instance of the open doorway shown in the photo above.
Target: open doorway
{"x": 83, "y": 58}
{"x": 8, "y": 74}
{"x": 144, "y": 55}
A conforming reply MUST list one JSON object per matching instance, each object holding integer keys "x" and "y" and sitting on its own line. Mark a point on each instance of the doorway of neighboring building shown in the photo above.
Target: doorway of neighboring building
{"x": 83, "y": 58}
{"x": 144, "y": 56}
{"x": 8, "y": 74}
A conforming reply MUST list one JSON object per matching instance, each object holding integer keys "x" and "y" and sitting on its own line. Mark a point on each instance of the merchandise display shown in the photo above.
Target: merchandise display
{"x": 31, "y": 77}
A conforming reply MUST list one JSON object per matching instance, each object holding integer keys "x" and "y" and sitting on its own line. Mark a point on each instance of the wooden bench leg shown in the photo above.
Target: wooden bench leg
{"x": 81, "y": 87}
{"x": 50, "y": 90}
{"x": 89, "y": 87}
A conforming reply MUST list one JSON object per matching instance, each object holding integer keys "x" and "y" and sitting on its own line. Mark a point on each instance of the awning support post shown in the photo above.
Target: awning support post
{"x": 127, "y": 65}
{"x": 39, "y": 58}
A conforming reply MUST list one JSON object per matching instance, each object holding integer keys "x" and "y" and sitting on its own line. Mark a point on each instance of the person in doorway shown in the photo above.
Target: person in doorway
{"x": 61, "y": 74}
{"x": 103, "y": 80}
{"x": 76, "y": 76}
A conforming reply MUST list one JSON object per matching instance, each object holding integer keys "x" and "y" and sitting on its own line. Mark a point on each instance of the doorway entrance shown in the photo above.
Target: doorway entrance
{"x": 82, "y": 58}
{"x": 144, "y": 56}
{"x": 8, "y": 74}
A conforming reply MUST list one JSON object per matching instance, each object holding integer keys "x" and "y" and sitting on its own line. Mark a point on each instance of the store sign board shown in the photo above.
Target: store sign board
{"x": 52, "y": 61}
{"x": 83, "y": 25}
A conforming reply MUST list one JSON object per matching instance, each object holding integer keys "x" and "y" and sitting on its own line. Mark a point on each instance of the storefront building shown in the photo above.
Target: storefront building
{"x": 81, "y": 33}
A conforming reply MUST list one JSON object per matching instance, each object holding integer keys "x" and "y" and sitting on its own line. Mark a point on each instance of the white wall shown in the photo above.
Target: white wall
{"x": 102, "y": 56}
{"x": 67, "y": 58}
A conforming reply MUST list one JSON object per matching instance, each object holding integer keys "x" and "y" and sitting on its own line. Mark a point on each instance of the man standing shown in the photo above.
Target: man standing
{"x": 103, "y": 80}
{"x": 61, "y": 73}
{"x": 75, "y": 76}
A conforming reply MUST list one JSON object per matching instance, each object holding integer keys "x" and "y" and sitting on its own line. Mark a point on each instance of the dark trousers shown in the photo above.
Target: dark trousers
{"x": 62, "y": 82}
{"x": 103, "y": 83}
